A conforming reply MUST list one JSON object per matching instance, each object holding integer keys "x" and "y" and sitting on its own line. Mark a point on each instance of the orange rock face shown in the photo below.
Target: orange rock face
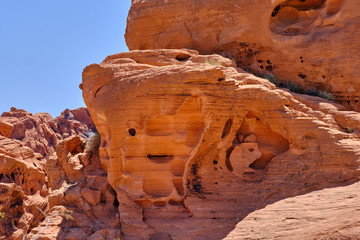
{"x": 312, "y": 42}
{"x": 190, "y": 141}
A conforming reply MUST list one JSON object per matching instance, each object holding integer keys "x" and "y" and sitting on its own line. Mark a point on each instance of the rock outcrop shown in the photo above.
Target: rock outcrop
{"x": 190, "y": 141}
{"x": 312, "y": 42}
{"x": 64, "y": 195}
{"x": 41, "y": 132}
{"x": 331, "y": 213}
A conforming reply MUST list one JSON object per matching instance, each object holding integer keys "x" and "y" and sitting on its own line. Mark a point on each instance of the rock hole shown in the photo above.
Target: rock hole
{"x": 356, "y": 101}
{"x": 160, "y": 158}
{"x": 269, "y": 68}
{"x": 302, "y": 76}
{"x": 215, "y": 162}
{"x": 116, "y": 203}
{"x": 261, "y": 66}
{"x": 323, "y": 77}
{"x": 1, "y": 176}
{"x": 227, "y": 128}
{"x": 221, "y": 79}
{"x": 182, "y": 57}
{"x": 13, "y": 176}
{"x": 268, "y": 62}
{"x": 216, "y": 182}
{"x": 251, "y": 150}
{"x": 259, "y": 61}
{"x": 132, "y": 132}
{"x": 263, "y": 161}
{"x": 302, "y": 61}
{"x": 227, "y": 160}
{"x": 275, "y": 11}
{"x": 34, "y": 165}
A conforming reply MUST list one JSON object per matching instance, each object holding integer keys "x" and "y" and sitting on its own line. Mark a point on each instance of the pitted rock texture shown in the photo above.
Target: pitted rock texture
{"x": 191, "y": 141}
{"x": 41, "y": 132}
{"x": 311, "y": 42}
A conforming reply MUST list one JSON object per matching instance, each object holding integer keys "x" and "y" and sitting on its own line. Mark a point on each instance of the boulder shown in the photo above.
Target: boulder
{"x": 182, "y": 133}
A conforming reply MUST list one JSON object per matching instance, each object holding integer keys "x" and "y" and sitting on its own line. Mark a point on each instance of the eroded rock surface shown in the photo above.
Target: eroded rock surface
{"x": 331, "y": 213}
{"x": 191, "y": 141}
{"x": 311, "y": 42}
{"x": 41, "y": 132}
{"x": 65, "y": 195}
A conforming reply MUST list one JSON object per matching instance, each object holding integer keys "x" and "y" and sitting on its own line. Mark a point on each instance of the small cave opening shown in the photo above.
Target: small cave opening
{"x": 275, "y": 11}
{"x": 182, "y": 57}
{"x": 132, "y": 132}
{"x": 116, "y": 202}
{"x": 227, "y": 128}
{"x": 302, "y": 76}
{"x": 160, "y": 158}
{"x": 269, "y": 68}
{"x": 263, "y": 161}
{"x": 227, "y": 160}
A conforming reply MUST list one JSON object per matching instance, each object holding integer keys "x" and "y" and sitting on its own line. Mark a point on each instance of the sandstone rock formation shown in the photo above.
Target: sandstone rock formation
{"x": 311, "y": 42}
{"x": 326, "y": 214}
{"x": 190, "y": 141}
{"x": 41, "y": 132}
{"x": 63, "y": 196}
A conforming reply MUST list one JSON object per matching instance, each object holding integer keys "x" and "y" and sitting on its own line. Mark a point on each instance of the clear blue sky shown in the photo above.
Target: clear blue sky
{"x": 45, "y": 44}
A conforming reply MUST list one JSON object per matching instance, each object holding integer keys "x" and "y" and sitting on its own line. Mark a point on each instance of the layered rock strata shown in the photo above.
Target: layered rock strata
{"x": 190, "y": 141}
{"x": 312, "y": 42}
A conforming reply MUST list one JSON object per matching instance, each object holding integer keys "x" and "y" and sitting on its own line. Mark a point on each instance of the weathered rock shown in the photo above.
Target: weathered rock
{"x": 5, "y": 128}
{"x": 182, "y": 133}
{"x": 41, "y": 132}
{"x": 22, "y": 188}
{"x": 331, "y": 213}
{"x": 91, "y": 196}
{"x": 81, "y": 201}
{"x": 56, "y": 197}
{"x": 313, "y": 42}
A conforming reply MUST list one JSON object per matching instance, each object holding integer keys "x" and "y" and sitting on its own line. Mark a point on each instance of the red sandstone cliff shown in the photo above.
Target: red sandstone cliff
{"x": 312, "y": 42}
